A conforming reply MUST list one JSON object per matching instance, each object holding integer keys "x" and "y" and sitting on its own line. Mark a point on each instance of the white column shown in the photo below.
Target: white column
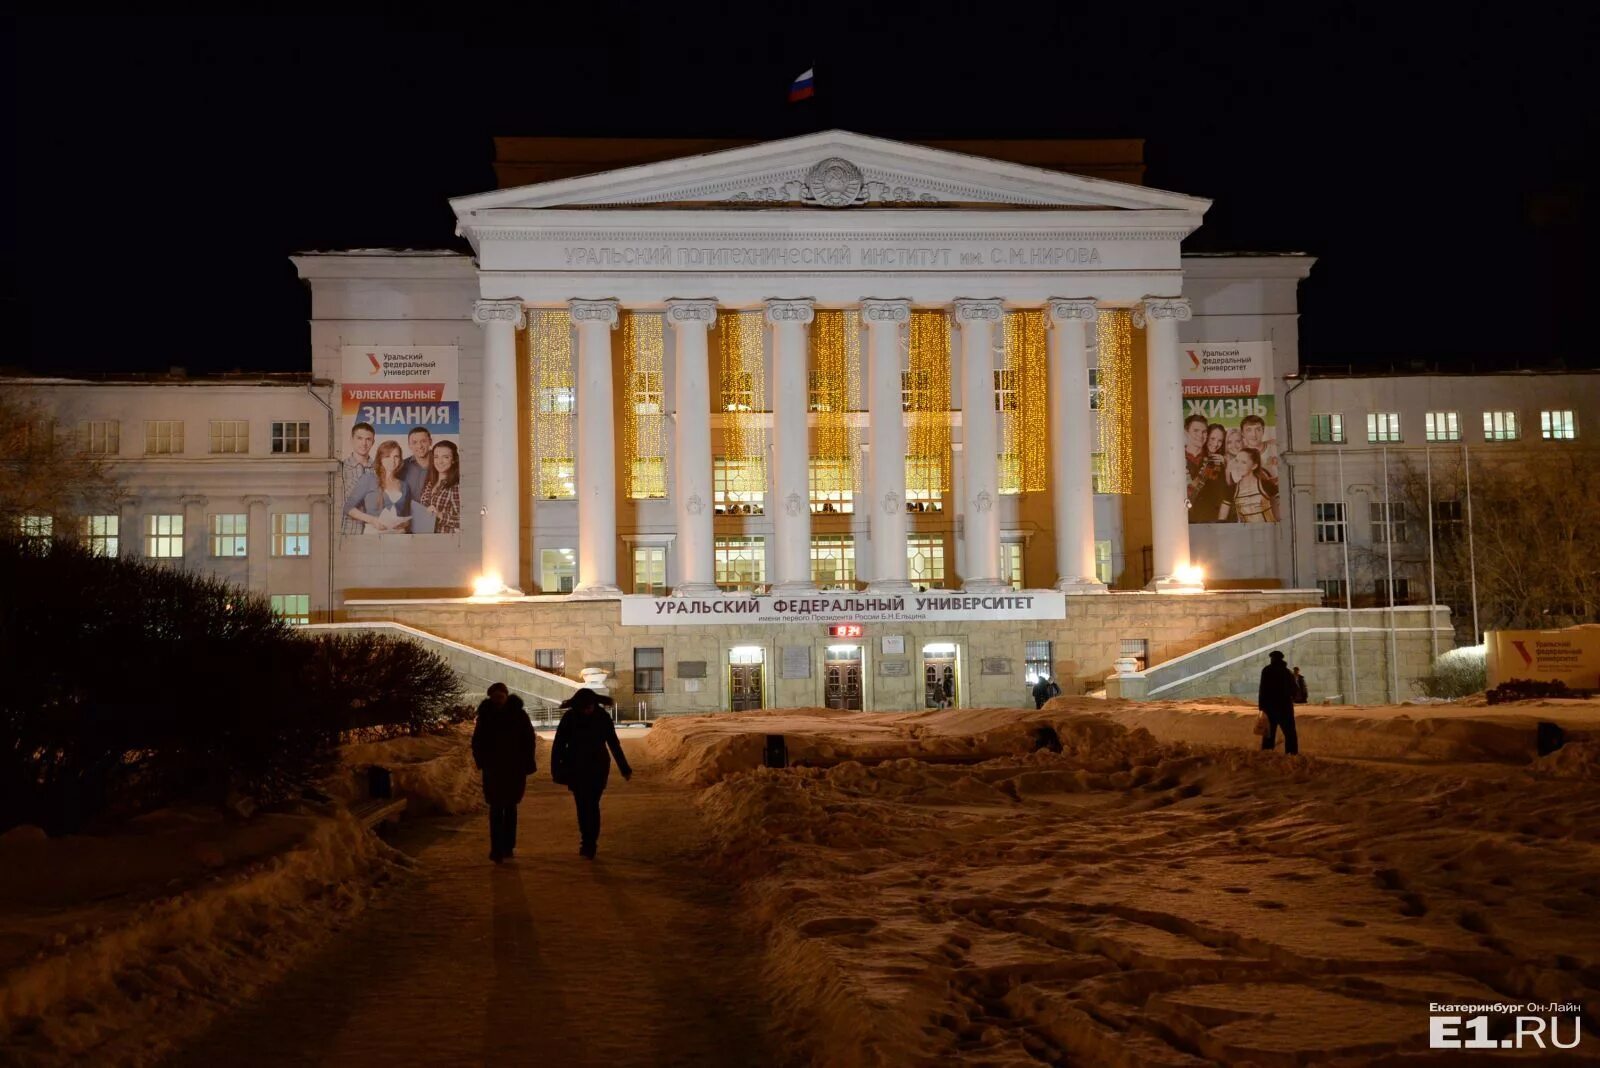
{"x": 980, "y": 442}
{"x": 1169, "y": 495}
{"x": 597, "y": 455}
{"x": 887, "y": 321}
{"x": 691, "y": 445}
{"x": 500, "y": 568}
{"x": 1072, "y": 444}
{"x": 257, "y": 545}
{"x": 791, "y": 451}
{"x": 321, "y": 558}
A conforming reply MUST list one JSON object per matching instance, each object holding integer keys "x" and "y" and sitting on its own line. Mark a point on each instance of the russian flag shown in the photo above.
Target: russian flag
{"x": 802, "y": 89}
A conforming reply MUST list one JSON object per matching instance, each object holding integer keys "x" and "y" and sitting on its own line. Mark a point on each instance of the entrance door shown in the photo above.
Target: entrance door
{"x": 842, "y": 677}
{"x": 939, "y": 682}
{"x": 745, "y": 666}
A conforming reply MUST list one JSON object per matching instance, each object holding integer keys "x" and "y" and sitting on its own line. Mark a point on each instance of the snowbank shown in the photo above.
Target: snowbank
{"x": 116, "y": 947}
{"x": 433, "y": 772}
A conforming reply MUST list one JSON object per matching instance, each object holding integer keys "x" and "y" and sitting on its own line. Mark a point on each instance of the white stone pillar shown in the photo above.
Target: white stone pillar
{"x": 257, "y": 545}
{"x": 691, "y": 445}
{"x": 887, "y": 323}
{"x": 501, "y": 497}
{"x": 791, "y": 450}
{"x": 980, "y": 442}
{"x": 321, "y": 558}
{"x": 1169, "y": 480}
{"x": 1072, "y": 444}
{"x": 597, "y": 452}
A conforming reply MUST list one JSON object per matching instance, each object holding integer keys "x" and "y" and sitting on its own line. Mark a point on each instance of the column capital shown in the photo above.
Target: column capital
{"x": 607, "y": 311}
{"x": 193, "y": 500}
{"x": 257, "y": 498}
{"x": 780, "y": 310}
{"x": 1151, "y": 308}
{"x": 485, "y": 312}
{"x": 323, "y": 501}
{"x": 683, "y": 312}
{"x": 886, "y": 310}
{"x": 1067, "y": 310}
{"x": 978, "y": 309}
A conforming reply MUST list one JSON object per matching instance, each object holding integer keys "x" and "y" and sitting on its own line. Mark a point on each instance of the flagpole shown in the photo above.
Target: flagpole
{"x": 1433, "y": 597}
{"x": 1388, "y": 545}
{"x": 1349, "y": 604}
{"x": 1472, "y": 556}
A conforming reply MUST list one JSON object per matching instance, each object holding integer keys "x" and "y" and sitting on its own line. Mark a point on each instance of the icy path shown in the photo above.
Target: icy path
{"x": 550, "y": 959}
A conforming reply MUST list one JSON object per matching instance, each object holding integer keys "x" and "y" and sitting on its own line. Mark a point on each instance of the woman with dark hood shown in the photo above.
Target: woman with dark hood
{"x": 505, "y": 749}
{"x": 580, "y": 760}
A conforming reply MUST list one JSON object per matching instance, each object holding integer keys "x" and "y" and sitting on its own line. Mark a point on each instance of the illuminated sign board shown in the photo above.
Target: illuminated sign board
{"x": 846, "y": 630}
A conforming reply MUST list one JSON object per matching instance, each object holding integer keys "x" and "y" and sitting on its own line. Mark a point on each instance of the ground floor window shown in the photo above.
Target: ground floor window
{"x": 163, "y": 537}
{"x": 100, "y": 533}
{"x": 1139, "y": 649}
{"x": 291, "y": 534}
{"x": 228, "y": 534}
{"x": 35, "y": 528}
{"x": 649, "y": 671}
{"x": 650, "y": 569}
{"x": 741, "y": 563}
{"x": 1332, "y": 592}
{"x": 293, "y": 607}
{"x": 1011, "y": 564}
{"x": 925, "y": 560}
{"x": 550, "y": 660}
{"x": 1037, "y": 659}
{"x": 558, "y": 570}
{"x": 833, "y": 561}
{"x": 1402, "y": 591}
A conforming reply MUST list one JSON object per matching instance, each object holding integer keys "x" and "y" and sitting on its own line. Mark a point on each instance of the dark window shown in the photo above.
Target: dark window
{"x": 550, "y": 659}
{"x": 649, "y": 671}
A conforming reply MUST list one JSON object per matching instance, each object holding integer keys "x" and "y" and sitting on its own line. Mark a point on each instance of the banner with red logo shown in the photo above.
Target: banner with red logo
{"x": 400, "y": 434}
{"x": 1230, "y": 432}
{"x": 1571, "y": 655}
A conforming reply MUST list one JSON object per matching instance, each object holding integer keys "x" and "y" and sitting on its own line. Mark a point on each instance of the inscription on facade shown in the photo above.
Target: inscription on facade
{"x": 847, "y": 257}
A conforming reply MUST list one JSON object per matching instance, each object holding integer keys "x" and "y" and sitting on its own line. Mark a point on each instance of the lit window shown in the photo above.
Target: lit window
{"x": 1441, "y": 426}
{"x": 557, "y": 400}
{"x": 1037, "y": 659}
{"x": 1102, "y": 561}
{"x": 1011, "y": 564}
{"x": 650, "y": 569}
{"x": 833, "y": 561}
{"x": 1330, "y": 523}
{"x": 558, "y": 570}
{"x": 1099, "y": 473}
{"x": 925, "y": 560}
{"x": 1327, "y": 428}
{"x": 741, "y": 563}
{"x": 291, "y": 437}
{"x": 35, "y": 528}
{"x": 1500, "y": 426}
{"x": 550, "y": 660}
{"x": 100, "y": 533}
{"x": 163, "y": 537}
{"x": 230, "y": 435}
{"x": 228, "y": 534}
{"x": 647, "y": 478}
{"x": 291, "y": 534}
{"x": 292, "y": 607}
{"x": 1009, "y": 470}
{"x": 738, "y": 392}
{"x": 163, "y": 437}
{"x": 833, "y": 487}
{"x": 1383, "y": 427}
{"x": 558, "y": 478}
{"x": 1332, "y": 592}
{"x": 100, "y": 437}
{"x": 649, "y": 670}
{"x": 1096, "y": 390}
{"x": 647, "y": 393}
{"x": 924, "y": 485}
{"x": 1558, "y": 425}
{"x": 1005, "y": 389}
{"x": 738, "y": 487}
{"x": 1392, "y": 530}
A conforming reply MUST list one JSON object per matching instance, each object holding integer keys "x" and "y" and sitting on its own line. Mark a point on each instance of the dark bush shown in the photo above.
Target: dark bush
{"x": 131, "y": 684}
{"x": 1529, "y": 689}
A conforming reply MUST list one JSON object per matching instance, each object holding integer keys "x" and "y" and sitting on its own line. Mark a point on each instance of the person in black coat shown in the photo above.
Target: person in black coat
{"x": 1276, "y": 701}
{"x": 505, "y": 749}
{"x": 580, "y": 760}
{"x": 1044, "y": 689}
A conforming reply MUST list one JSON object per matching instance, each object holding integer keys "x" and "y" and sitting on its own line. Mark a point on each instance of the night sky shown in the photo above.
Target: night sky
{"x": 161, "y": 170}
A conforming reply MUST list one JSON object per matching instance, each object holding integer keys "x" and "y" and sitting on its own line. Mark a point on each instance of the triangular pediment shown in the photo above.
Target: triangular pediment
{"x": 835, "y": 170}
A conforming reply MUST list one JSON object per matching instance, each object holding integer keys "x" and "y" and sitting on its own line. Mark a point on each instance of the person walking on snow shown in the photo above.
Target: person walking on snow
{"x": 580, "y": 760}
{"x": 1276, "y": 701}
{"x": 1043, "y": 690}
{"x": 1302, "y": 692}
{"x": 505, "y": 749}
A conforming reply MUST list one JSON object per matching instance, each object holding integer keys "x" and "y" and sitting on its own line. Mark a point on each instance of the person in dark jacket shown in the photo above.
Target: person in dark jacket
{"x": 1276, "y": 701}
{"x": 505, "y": 749}
{"x": 1302, "y": 691}
{"x": 1043, "y": 690}
{"x": 580, "y": 760}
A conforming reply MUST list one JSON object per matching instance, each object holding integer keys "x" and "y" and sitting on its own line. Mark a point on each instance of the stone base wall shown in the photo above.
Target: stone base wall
{"x": 990, "y": 657}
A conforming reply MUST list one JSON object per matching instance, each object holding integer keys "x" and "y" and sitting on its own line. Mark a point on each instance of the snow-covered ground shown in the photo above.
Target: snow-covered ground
{"x": 934, "y": 891}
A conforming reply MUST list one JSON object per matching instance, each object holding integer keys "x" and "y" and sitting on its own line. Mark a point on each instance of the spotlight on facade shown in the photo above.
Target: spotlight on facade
{"x": 1192, "y": 576}
{"x": 488, "y": 586}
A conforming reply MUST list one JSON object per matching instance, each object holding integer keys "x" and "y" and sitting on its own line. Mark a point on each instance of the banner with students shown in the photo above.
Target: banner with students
{"x": 400, "y": 429}
{"x": 1230, "y": 432}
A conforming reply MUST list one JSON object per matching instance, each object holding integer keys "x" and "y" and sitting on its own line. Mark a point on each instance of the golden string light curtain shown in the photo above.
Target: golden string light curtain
{"x": 927, "y": 389}
{"x": 1114, "y": 339}
{"x": 744, "y": 393}
{"x": 644, "y": 437}
{"x": 836, "y": 391}
{"x": 552, "y": 400}
{"x": 1022, "y": 399}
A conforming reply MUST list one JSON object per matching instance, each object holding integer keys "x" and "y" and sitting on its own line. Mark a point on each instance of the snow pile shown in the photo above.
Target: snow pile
{"x": 1575, "y": 760}
{"x": 433, "y": 772}
{"x": 117, "y": 947}
{"x": 1138, "y": 902}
